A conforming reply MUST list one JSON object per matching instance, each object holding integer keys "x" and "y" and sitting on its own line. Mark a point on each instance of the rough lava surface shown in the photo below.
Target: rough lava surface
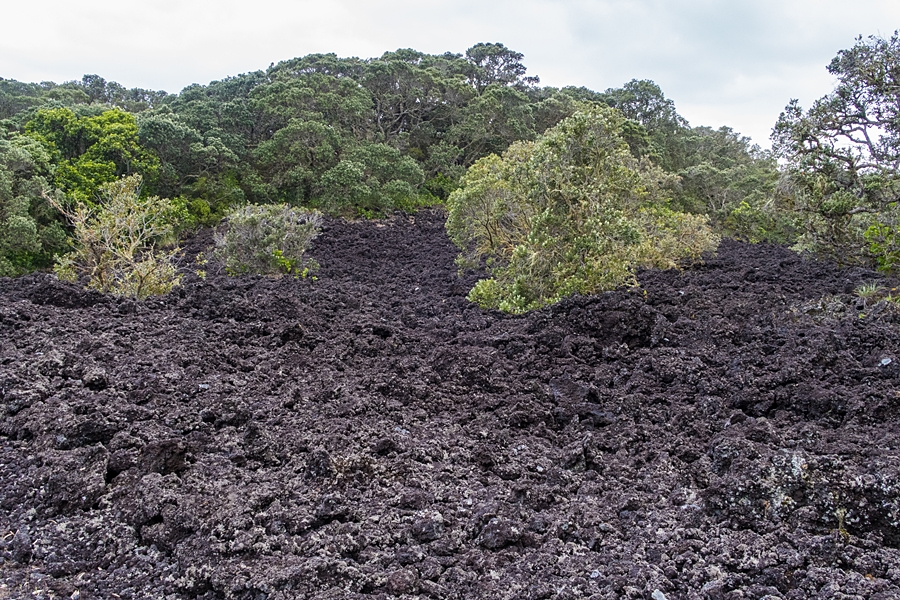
{"x": 730, "y": 431}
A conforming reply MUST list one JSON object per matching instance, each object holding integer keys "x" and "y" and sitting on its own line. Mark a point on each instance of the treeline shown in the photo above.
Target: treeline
{"x": 345, "y": 135}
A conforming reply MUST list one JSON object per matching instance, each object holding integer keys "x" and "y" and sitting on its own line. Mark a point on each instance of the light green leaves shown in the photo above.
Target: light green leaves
{"x": 116, "y": 241}
{"x": 91, "y": 150}
{"x": 573, "y": 212}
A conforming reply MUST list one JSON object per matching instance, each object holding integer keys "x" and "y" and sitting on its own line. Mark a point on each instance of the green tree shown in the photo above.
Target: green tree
{"x": 16, "y": 97}
{"x": 495, "y": 64}
{"x": 643, "y": 101}
{"x": 735, "y": 183}
{"x": 491, "y": 122}
{"x": 843, "y": 157}
{"x": 402, "y": 93}
{"x": 371, "y": 179}
{"x": 92, "y": 150}
{"x": 340, "y": 102}
{"x": 309, "y": 131}
{"x": 30, "y": 229}
{"x": 190, "y": 164}
{"x": 292, "y": 162}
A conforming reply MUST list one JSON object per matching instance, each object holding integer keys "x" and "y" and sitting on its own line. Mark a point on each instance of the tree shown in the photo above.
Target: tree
{"x": 91, "y": 150}
{"x": 16, "y": 97}
{"x": 643, "y": 101}
{"x": 30, "y": 230}
{"x": 572, "y": 212}
{"x": 491, "y": 122}
{"x": 371, "y": 179}
{"x": 843, "y": 157}
{"x": 185, "y": 155}
{"x": 735, "y": 183}
{"x": 497, "y": 64}
{"x": 273, "y": 135}
{"x": 403, "y": 95}
{"x": 339, "y": 102}
{"x": 296, "y": 157}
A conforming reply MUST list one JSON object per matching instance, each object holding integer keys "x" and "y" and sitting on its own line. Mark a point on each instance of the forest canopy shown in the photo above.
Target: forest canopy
{"x": 366, "y": 137}
{"x": 350, "y": 136}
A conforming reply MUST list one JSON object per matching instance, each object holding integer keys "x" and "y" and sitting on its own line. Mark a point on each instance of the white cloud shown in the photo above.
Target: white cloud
{"x": 734, "y": 62}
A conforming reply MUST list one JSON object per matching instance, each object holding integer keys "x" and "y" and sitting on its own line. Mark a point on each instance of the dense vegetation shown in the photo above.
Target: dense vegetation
{"x": 844, "y": 158}
{"x": 574, "y": 211}
{"x": 365, "y": 137}
{"x": 117, "y": 241}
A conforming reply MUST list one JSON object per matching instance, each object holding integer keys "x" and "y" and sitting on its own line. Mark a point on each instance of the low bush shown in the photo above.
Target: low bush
{"x": 116, "y": 241}
{"x": 573, "y": 212}
{"x": 268, "y": 240}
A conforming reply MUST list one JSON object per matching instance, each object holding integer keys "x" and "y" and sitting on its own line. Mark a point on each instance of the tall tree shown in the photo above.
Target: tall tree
{"x": 843, "y": 156}
{"x": 644, "y": 102}
{"x": 497, "y": 64}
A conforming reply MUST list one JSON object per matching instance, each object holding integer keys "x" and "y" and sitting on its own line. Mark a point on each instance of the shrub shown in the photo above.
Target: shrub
{"x": 116, "y": 241}
{"x": 883, "y": 241}
{"x": 268, "y": 239}
{"x": 573, "y": 212}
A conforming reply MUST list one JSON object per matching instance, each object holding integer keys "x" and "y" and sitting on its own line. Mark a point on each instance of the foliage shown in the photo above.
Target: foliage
{"x": 268, "y": 239}
{"x": 497, "y": 64}
{"x": 116, "y": 241}
{"x": 312, "y": 128}
{"x": 185, "y": 155}
{"x": 735, "y": 183}
{"x": 573, "y": 212}
{"x": 365, "y": 137}
{"x": 883, "y": 244}
{"x": 643, "y": 102}
{"x": 109, "y": 93}
{"x": 492, "y": 121}
{"x": 30, "y": 229}
{"x": 867, "y": 291}
{"x": 17, "y": 97}
{"x": 843, "y": 157}
{"x": 91, "y": 150}
{"x": 371, "y": 178}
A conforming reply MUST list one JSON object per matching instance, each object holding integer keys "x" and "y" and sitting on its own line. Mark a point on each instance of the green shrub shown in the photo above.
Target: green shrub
{"x": 573, "y": 212}
{"x": 883, "y": 241}
{"x": 116, "y": 241}
{"x": 268, "y": 239}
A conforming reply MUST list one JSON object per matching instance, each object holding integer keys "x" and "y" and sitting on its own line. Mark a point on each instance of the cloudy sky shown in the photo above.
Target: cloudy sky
{"x": 723, "y": 62}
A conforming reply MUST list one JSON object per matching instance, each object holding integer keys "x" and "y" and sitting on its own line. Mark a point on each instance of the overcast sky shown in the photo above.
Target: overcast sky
{"x": 723, "y": 62}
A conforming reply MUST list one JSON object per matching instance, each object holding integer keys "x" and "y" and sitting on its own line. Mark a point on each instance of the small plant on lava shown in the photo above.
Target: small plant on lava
{"x": 116, "y": 241}
{"x": 268, "y": 240}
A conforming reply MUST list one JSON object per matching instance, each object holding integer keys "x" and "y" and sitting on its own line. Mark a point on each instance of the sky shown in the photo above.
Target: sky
{"x": 723, "y": 62}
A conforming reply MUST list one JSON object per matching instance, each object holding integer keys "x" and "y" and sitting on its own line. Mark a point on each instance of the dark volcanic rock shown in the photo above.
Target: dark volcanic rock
{"x": 730, "y": 431}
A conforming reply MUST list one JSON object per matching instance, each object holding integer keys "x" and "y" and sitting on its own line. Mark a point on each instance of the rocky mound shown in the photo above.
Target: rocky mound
{"x": 721, "y": 433}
